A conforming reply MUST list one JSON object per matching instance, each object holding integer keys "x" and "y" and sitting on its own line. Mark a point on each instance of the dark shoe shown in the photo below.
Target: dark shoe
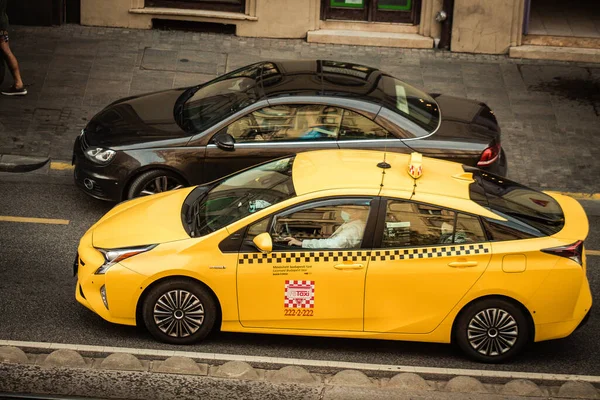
{"x": 13, "y": 91}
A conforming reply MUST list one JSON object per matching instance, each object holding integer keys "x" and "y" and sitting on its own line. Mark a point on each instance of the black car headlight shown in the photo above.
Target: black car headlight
{"x": 114, "y": 256}
{"x": 100, "y": 155}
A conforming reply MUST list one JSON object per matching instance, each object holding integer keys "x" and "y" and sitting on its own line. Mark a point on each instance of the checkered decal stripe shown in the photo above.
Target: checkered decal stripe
{"x": 376, "y": 255}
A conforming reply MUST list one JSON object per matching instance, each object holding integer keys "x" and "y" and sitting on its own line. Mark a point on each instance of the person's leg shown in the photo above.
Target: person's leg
{"x": 11, "y": 60}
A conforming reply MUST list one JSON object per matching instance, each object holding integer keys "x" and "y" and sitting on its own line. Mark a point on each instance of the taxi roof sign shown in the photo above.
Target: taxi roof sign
{"x": 415, "y": 167}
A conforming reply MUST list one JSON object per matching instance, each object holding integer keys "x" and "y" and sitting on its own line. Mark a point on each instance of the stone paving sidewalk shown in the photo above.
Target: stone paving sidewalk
{"x": 549, "y": 111}
{"x": 125, "y": 376}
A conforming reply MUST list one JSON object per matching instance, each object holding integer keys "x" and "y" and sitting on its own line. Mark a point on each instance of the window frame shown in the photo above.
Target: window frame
{"x": 380, "y": 226}
{"x": 366, "y": 243}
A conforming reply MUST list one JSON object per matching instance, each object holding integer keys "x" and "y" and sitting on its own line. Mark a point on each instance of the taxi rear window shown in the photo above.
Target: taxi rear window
{"x": 527, "y": 210}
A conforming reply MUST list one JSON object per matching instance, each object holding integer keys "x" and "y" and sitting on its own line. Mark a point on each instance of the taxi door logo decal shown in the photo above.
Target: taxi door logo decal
{"x": 299, "y": 294}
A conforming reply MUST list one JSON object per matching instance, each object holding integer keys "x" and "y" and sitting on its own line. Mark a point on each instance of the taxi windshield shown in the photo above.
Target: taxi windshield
{"x": 240, "y": 195}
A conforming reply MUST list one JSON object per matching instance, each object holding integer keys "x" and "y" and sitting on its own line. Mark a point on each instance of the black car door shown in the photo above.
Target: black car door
{"x": 269, "y": 133}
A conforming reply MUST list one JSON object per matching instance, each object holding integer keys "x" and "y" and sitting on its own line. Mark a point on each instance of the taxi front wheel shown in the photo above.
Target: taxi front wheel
{"x": 179, "y": 311}
{"x": 492, "y": 330}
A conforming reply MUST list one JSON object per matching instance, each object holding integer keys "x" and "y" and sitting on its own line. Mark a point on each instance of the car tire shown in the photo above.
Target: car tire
{"x": 492, "y": 330}
{"x": 179, "y": 311}
{"x": 154, "y": 181}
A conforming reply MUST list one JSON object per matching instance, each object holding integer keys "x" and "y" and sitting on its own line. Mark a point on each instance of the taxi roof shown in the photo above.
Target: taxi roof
{"x": 357, "y": 169}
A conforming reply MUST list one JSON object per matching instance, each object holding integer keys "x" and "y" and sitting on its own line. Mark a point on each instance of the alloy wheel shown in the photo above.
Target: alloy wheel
{"x": 178, "y": 313}
{"x": 160, "y": 184}
{"x": 492, "y": 332}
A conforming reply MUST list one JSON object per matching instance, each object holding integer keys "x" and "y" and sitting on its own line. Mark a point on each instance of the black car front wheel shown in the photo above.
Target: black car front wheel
{"x": 179, "y": 311}
{"x": 492, "y": 330}
{"x": 154, "y": 181}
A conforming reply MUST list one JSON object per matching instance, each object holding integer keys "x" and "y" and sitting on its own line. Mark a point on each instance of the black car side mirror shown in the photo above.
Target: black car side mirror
{"x": 225, "y": 142}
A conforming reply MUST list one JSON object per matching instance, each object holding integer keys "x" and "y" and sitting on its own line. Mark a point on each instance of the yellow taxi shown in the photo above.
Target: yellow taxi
{"x": 345, "y": 243}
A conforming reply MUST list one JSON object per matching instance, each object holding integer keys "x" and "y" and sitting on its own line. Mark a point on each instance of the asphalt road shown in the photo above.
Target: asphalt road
{"x": 37, "y": 296}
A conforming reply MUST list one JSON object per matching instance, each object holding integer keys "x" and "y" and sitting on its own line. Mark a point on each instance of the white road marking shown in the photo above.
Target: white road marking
{"x": 307, "y": 363}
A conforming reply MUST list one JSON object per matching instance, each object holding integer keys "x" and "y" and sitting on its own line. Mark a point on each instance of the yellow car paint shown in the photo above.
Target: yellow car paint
{"x": 360, "y": 293}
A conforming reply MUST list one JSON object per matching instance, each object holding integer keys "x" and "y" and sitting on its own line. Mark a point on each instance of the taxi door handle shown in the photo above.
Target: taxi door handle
{"x": 348, "y": 266}
{"x": 462, "y": 264}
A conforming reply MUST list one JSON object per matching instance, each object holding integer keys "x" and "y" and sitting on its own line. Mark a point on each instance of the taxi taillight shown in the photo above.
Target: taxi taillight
{"x": 489, "y": 155}
{"x": 572, "y": 251}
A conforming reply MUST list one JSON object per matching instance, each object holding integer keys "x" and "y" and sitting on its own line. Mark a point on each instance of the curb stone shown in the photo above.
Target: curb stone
{"x": 10, "y": 354}
{"x": 292, "y": 374}
{"x": 14, "y": 163}
{"x": 181, "y": 365}
{"x": 64, "y": 358}
{"x": 522, "y": 387}
{"x": 578, "y": 390}
{"x": 409, "y": 381}
{"x": 236, "y": 369}
{"x": 123, "y": 362}
{"x": 120, "y": 375}
{"x": 465, "y": 384}
{"x": 351, "y": 378}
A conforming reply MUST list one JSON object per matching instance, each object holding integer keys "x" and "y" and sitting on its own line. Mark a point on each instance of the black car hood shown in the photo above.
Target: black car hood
{"x": 466, "y": 119}
{"x": 136, "y": 119}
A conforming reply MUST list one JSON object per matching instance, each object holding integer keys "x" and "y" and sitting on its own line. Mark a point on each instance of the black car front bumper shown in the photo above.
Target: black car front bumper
{"x": 100, "y": 182}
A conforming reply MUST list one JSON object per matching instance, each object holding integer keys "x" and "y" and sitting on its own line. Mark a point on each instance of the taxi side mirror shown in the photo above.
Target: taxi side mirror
{"x": 263, "y": 242}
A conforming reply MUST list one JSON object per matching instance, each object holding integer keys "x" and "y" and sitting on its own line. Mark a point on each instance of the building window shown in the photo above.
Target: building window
{"x": 405, "y": 11}
{"x": 217, "y": 5}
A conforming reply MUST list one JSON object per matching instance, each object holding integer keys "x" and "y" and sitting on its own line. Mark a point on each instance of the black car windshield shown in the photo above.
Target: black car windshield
{"x": 242, "y": 194}
{"x": 221, "y": 98}
{"x": 537, "y": 213}
{"x": 412, "y": 103}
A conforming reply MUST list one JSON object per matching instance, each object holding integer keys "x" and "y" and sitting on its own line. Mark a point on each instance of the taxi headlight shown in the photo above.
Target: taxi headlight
{"x": 100, "y": 155}
{"x": 114, "y": 256}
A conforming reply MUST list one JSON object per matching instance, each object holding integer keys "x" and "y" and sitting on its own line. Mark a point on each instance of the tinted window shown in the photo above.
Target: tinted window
{"x": 357, "y": 127}
{"x": 468, "y": 230}
{"x": 412, "y": 224}
{"x": 221, "y": 98}
{"x": 287, "y": 123}
{"x": 413, "y": 104}
{"x": 509, "y": 230}
{"x": 527, "y": 210}
{"x": 241, "y": 195}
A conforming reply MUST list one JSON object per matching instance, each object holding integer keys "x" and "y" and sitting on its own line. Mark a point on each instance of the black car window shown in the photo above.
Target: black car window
{"x": 219, "y": 99}
{"x": 287, "y": 123}
{"x": 412, "y": 103}
{"x": 358, "y": 127}
{"x": 526, "y": 210}
{"x": 410, "y": 224}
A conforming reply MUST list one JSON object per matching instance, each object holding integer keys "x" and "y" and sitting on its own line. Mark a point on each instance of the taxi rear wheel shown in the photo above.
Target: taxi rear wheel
{"x": 179, "y": 311}
{"x": 492, "y": 330}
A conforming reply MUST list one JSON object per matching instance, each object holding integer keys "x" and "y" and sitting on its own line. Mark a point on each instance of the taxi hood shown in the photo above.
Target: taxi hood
{"x": 146, "y": 220}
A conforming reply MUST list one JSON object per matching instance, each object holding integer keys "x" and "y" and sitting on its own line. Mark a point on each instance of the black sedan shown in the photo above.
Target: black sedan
{"x": 162, "y": 141}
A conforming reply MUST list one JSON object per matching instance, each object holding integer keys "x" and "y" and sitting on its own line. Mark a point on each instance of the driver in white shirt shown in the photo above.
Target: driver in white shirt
{"x": 347, "y": 236}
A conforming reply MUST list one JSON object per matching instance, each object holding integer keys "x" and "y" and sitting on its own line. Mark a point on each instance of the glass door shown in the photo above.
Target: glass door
{"x": 404, "y": 11}
{"x": 217, "y": 5}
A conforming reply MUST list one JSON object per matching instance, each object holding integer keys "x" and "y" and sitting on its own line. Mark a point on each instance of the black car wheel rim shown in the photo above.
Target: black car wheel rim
{"x": 160, "y": 184}
{"x": 492, "y": 332}
{"x": 178, "y": 313}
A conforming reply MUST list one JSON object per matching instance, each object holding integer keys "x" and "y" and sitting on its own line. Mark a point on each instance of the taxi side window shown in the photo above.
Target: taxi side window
{"x": 257, "y": 228}
{"x": 287, "y": 123}
{"x": 413, "y": 224}
{"x": 357, "y": 127}
{"x": 468, "y": 230}
{"x": 328, "y": 225}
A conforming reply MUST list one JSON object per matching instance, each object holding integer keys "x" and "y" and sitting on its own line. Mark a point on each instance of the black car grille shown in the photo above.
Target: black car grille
{"x": 81, "y": 292}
